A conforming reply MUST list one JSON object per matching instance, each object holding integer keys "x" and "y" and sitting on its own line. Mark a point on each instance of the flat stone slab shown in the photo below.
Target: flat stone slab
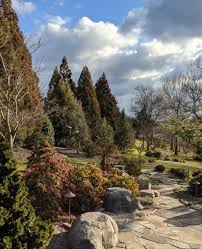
{"x": 150, "y": 193}
{"x": 167, "y": 225}
{"x": 135, "y": 245}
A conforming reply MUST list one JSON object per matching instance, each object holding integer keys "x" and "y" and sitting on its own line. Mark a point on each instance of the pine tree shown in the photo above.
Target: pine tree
{"x": 87, "y": 95}
{"x": 19, "y": 226}
{"x": 107, "y": 101}
{"x": 67, "y": 116}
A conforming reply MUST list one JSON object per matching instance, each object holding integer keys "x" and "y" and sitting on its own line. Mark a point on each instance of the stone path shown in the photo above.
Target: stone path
{"x": 167, "y": 225}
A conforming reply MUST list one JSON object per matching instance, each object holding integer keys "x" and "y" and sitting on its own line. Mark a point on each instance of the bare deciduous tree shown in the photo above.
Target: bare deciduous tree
{"x": 15, "y": 113}
{"x": 146, "y": 107}
{"x": 193, "y": 90}
{"x": 174, "y": 100}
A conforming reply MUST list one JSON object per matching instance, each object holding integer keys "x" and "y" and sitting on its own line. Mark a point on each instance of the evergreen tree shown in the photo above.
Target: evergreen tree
{"x": 48, "y": 130}
{"x": 107, "y": 101}
{"x": 17, "y": 79}
{"x": 19, "y": 226}
{"x": 67, "y": 116}
{"x": 124, "y": 135}
{"x": 105, "y": 141}
{"x": 16, "y": 55}
{"x": 64, "y": 73}
{"x": 105, "y": 136}
{"x": 87, "y": 95}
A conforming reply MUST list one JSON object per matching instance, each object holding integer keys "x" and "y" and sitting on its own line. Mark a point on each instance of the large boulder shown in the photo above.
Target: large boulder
{"x": 119, "y": 200}
{"x": 93, "y": 230}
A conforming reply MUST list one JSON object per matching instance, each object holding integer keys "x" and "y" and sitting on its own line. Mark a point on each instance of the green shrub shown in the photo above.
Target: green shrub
{"x": 40, "y": 151}
{"x": 156, "y": 154}
{"x": 115, "y": 179}
{"x": 88, "y": 185}
{"x": 167, "y": 158}
{"x": 196, "y": 173}
{"x": 34, "y": 139}
{"x": 90, "y": 150}
{"x": 180, "y": 173}
{"x": 133, "y": 165}
{"x": 159, "y": 168}
{"x": 149, "y": 153}
{"x": 20, "y": 138}
{"x": 146, "y": 200}
{"x": 19, "y": 225}
{"x": 198, "y": 157}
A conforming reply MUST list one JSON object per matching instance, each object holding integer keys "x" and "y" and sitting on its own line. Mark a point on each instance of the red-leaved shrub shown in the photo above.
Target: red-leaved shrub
{"x": 49, "y": 180}
{"x": 47, "y": 183}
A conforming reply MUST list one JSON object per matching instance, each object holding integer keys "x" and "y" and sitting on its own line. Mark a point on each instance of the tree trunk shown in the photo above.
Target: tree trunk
{"x": 176, "y": 151}
{"x": 104, "y": 162}
{"x": 143, "y": 142}
{"x": 148, "y": 144}
{"x": 78, "y": 148}
{"x": 172, "y": 144}
{"x": 11, "y": 141}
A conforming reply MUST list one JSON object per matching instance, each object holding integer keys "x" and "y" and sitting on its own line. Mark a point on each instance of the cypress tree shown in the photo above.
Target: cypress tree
{"x": 107, "y": 101}
{"x": 87, "y": 95}
{"x": 67, "y": 116}
{"x": 19, "y": 226}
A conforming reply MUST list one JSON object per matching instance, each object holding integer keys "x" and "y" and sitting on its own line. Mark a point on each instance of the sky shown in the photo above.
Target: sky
{"x": 133, "y": 41}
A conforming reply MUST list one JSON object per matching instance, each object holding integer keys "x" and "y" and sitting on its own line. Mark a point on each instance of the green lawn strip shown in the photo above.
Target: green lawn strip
{"x": 191, "y": 165}
{"x": 188, "y": 165}
{"x": 83, "y": 161}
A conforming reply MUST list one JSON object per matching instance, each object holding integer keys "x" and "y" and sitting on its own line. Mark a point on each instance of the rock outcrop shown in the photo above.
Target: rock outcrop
{"x": 93, "y": 230}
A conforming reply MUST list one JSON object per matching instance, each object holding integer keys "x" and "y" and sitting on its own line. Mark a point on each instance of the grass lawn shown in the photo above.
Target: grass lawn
{"x": 83, "y": 161}
{"x": 191, "y": 165}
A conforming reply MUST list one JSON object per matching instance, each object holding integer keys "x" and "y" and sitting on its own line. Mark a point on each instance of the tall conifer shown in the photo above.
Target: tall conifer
{"x": 63, "y": 73}
{"x": 87, "y": 95}
{"x": 16, "y": 54}
{"x": 107, "y": 101}
{"x": 66, "y": 115}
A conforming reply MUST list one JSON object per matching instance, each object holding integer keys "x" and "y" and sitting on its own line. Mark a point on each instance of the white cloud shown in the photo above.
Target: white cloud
{"x": 124, "y": 53}
{"x": 23, "y": 7}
